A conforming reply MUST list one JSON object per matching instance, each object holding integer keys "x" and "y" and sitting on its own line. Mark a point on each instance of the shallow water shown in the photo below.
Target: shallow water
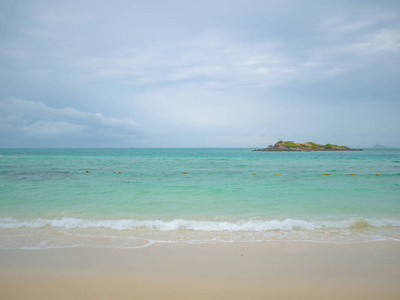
{"x": 134, "y": 197}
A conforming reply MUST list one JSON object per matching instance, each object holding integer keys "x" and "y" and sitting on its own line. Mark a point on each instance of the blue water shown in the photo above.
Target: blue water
{"x": 134, "y": 197}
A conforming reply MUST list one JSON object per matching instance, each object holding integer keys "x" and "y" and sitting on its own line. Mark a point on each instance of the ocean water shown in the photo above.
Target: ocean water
{"x": 137, "y": 197}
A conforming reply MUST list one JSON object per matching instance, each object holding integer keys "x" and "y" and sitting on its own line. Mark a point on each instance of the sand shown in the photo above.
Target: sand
{"x": 268, "y": 270}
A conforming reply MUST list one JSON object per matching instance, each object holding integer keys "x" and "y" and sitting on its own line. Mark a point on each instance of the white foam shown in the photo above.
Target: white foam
{"x": 251, "y": 225}
{"x": 130, "y": 233}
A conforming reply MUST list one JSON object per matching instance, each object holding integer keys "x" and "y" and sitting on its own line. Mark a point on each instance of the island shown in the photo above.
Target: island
{"x": 305, "y": 147}
{"x": 377, "y": 146}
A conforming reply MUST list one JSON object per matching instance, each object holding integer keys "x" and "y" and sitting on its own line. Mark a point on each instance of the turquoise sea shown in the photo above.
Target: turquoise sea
{"x": 137, "y": 197}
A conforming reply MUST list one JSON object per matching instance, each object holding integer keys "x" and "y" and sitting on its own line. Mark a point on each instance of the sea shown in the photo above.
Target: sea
{"x": 133, "y": 198}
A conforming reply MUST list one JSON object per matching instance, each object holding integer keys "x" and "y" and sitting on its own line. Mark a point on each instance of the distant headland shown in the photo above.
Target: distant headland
{"x": 377, "y": 146}
{"x": 305, "y": 147}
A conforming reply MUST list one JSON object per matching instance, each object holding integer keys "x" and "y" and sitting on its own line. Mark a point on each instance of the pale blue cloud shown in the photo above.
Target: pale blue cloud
{"x": 38, "y": 124}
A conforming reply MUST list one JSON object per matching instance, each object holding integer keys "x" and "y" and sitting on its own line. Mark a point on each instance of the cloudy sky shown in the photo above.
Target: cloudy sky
{"x": 199, "y": 73}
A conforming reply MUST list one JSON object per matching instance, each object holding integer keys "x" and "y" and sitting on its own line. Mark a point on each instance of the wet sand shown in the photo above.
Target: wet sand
{"x": 273, "y": 270}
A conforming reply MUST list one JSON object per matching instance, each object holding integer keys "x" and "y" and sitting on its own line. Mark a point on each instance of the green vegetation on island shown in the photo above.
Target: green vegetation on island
{"x": 308, "y": 146}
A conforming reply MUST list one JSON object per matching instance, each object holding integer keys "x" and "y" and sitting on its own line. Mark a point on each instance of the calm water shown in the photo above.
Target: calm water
{"x": 135, "y": 197}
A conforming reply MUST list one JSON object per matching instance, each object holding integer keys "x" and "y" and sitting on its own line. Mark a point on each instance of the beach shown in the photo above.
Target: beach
{"x": 199, "y": 150}
{"x": 274, "y": 270}
{"x": 199, "y": 224}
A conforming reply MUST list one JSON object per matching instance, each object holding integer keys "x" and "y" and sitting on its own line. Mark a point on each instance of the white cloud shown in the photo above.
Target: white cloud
{"x": 140, "y": 55}
{"x": 35, "y": 120}
{"x": 197, "y": 108}
{"x": 219, "y": 58}
{"x": 44, "y": 129}
{"x": 354, "y": 51}
{"x": 345, "y": 24}
{"x": 383, "y": 41}
{"x": 225, "y": 60}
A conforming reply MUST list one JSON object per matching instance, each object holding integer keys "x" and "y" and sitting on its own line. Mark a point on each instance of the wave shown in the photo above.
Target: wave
{"x": 251, "y": 225}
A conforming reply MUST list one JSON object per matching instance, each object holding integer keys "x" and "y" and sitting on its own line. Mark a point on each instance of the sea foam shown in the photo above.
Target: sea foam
{"x": 251, "y": 225}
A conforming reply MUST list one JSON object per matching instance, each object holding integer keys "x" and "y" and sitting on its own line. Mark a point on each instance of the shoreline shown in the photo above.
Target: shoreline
{"x": 279, "y": 269}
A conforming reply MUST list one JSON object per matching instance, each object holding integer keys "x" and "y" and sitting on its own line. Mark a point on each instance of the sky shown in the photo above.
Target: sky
{"x": 236, "y": 74}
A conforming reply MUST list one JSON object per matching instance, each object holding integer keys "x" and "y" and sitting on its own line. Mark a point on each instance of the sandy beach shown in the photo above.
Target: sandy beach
{"x": 274, "y": 270}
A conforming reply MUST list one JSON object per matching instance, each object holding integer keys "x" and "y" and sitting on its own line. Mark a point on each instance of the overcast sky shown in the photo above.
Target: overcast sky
{"x": 199, "y": 73}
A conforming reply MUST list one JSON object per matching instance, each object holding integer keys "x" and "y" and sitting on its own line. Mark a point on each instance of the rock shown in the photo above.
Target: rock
{"x": 305, "y": 147}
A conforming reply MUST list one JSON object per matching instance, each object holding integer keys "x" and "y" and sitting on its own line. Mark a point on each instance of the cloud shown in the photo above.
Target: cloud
{"x": 197, "y": 108}
{"x": 384, "y": 41}
{"x": 43, "y": 125}
{"x": 354, "y": 47}
{"x": 119, "y": 45}
{"x": 342, "y": 25}
{"x": 192, "y": 74}
{"x": 218, "y": 60}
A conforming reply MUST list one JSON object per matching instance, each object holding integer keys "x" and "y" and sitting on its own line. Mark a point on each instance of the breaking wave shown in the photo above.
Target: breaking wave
{"x": 251, "y": 225}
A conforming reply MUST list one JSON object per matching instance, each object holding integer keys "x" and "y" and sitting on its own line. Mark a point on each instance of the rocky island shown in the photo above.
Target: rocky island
{"x": 305, "y": 147}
